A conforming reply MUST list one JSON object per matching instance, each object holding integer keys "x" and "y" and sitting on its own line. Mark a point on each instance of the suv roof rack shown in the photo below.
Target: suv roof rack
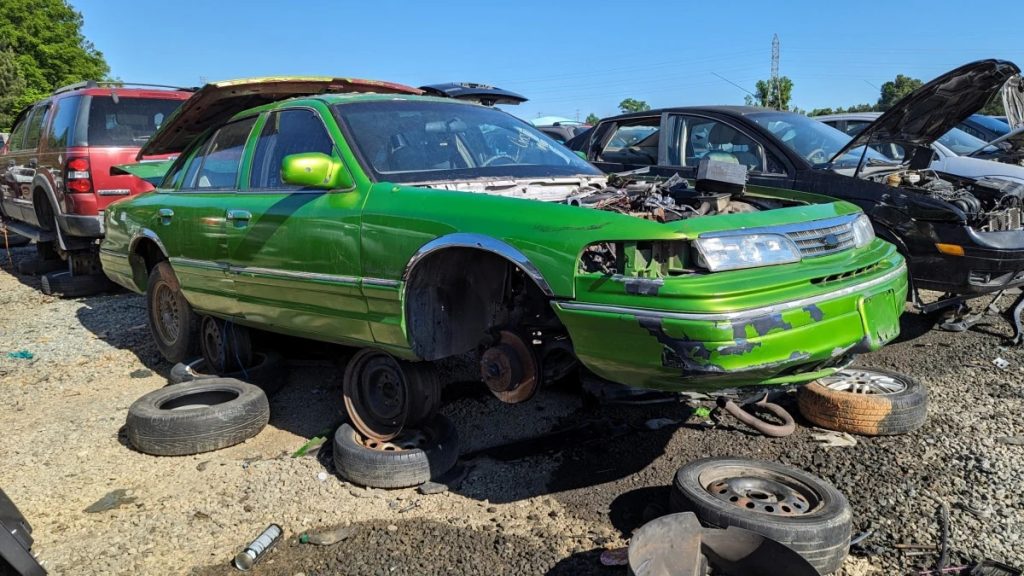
{"x": 110, "y": 83}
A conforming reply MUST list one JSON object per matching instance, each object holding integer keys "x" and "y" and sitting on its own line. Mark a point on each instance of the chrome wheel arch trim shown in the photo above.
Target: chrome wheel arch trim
{"x": 479, "y": 242}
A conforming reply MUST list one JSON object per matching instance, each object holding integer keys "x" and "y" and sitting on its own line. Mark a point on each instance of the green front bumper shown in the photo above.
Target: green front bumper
{"x": 791, "y": 341}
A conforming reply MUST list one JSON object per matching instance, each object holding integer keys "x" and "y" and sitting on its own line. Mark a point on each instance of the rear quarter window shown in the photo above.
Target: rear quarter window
{"x": 61, "y": 130}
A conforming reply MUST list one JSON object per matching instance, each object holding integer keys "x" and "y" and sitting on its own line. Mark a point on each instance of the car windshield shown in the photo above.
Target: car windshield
{"x": 815, "y": 141}
{"x": 422, "y": 141}
{"x": 126, "y": 121}
{"x": 962, "y": 143}
{"x": 991, "y": 124}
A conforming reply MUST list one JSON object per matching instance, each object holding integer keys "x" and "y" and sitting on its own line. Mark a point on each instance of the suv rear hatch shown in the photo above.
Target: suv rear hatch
{"x": 110, "y": 129}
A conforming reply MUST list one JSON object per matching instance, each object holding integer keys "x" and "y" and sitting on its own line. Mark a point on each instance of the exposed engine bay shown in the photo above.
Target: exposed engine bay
{"x": 990, "y": 204}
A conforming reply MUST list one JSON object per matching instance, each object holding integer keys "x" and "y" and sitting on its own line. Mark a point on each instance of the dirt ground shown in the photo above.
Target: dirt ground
{"x": 523, "y": 506}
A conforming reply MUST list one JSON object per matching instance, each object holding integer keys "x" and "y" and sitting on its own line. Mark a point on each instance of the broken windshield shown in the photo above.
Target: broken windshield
{"x": 423, "y": 141}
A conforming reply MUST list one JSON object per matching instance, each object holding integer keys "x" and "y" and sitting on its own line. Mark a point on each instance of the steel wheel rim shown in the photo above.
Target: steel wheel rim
{"x": 168, "y": 314}
{"x": 377, "y": 397}
{"x": 761, "y": 491}
{"x": 406, "y": 440}
{"x": 866, "y": 382}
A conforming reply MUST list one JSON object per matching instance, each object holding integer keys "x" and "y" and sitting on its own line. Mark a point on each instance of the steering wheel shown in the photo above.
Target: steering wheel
{"x": 817, "y": 152}
{"x": 505, "y": 160}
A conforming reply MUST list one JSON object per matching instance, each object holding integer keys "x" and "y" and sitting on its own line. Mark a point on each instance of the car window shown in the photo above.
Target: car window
{"x": 962, "y": 143}
{"x": 18, "y": 134}
{"x": 854, "y": 127}
{"x": 35, "y": 127}
{"x": 216, "y": 167}
{"x": 419, "y": 141}
{"x": 971, "y": 130}
{"x": 60, "y": 133}
{"x": 125, "y": 121}
{"x": 287, "y": 132}
{"x": 694, "y": 138}
{"x": 633, "y": 142}
{"x": 815, "y": 141}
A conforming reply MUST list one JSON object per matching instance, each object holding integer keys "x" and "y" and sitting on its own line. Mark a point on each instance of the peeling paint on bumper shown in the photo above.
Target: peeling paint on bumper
{"x": 648, "y": 348}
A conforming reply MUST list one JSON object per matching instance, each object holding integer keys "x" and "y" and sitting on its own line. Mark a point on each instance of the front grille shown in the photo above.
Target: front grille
{"x": 823, "y": 241}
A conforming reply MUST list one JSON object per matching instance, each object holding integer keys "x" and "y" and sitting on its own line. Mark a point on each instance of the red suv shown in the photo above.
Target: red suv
{"x": 55, "y": 175}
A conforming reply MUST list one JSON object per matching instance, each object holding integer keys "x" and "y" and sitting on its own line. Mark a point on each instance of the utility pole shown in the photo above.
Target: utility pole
{"x": 776, "y": 87}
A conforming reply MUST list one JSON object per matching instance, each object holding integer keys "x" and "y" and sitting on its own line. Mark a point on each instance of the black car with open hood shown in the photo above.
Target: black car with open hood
{"x": 963, "y": 237}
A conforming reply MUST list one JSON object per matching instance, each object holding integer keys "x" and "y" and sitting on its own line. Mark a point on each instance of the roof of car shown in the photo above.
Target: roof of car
{"x": 847, "y": 116}
{"x": 731, "y": 110}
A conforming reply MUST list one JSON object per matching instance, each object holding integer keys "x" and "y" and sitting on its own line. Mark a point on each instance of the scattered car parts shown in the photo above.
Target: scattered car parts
{"x": 787, "y": 427}
{"x": 195, "y": 417}
{"x": 865, "y": 401}
{"x": 677, "y": 545}
{"x": 783, "y": 503}
{"x": 16, "y": 557}
{"x": 473, "y": 92}
{"x": 412, "y": 458}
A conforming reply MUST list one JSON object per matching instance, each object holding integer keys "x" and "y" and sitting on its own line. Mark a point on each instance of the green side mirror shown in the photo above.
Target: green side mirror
{"x": 581, "y": 154}
{"x": 315, "y": 170}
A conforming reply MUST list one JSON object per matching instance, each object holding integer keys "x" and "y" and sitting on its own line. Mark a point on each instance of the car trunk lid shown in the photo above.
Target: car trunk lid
{"x": 219, "y": 101}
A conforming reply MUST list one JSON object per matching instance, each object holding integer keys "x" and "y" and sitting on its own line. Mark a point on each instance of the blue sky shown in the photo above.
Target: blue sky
{"x": 566, "y": 56}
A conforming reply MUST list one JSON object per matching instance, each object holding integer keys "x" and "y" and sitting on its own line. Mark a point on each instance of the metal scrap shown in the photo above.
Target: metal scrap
{"x": 833, "y": 438}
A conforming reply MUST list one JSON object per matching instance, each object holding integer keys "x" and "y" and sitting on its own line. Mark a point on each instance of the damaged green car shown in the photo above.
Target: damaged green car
{"x": 425, "y": 228}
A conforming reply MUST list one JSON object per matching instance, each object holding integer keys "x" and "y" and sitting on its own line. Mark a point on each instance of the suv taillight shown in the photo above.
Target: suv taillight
{"x": 77, "y": 176}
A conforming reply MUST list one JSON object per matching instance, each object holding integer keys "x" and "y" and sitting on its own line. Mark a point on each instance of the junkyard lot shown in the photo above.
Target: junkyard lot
{"x": 537, "y": 508}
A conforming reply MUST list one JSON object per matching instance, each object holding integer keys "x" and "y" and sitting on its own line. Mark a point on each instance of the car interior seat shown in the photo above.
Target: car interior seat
{"x": 725, "y": 142}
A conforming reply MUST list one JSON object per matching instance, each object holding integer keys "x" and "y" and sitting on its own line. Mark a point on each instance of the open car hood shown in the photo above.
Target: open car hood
{"x": 480, "y": 93}
{"x": 1013, "y": 101}
{"x": 922, "y": 116}
{"x": 218, "y": 101}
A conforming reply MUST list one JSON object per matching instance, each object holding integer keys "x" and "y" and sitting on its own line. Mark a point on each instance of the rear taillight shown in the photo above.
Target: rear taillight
{"x": 77, "y": 176}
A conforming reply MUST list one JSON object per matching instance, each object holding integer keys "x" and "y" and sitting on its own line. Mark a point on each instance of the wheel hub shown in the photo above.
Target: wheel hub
{"x": 510, "y": 368}
{"x": 863, "y": 382}
{"x": 377, "y": 398}
{"x": 761, "y": 495}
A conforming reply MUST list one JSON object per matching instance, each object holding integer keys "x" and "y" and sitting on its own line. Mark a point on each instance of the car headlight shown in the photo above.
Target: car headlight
{"x": 863, "y": 232}
{"x": 719, "y": 253}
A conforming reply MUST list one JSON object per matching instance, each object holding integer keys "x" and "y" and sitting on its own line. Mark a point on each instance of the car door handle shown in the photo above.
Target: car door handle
{"x": 239, "y": 215}
{"x": 165, "y": 215}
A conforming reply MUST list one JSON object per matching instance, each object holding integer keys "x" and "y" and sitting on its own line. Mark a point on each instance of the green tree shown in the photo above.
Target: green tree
{"x": 11, "y": 88}
{"x": 893, "y": 90}
{"x": 592, "y": 119}
{"x": 768, "y": 94}
{"x": 631, "y": 105}
{"x": 994, "y": 107}
{"x": 49, "y": 49}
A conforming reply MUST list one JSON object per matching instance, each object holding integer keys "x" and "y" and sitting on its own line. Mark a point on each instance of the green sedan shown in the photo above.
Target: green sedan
{"x": 423, "y": 228}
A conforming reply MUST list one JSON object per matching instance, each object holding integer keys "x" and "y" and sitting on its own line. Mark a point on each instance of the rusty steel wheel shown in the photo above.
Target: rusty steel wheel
{"x": 384, "y": 395}
{"x": 783, "y": 503}
{"x": 865, "y": 401}
{"x": 510, "y": 368}
{"x": 172, "y": 322}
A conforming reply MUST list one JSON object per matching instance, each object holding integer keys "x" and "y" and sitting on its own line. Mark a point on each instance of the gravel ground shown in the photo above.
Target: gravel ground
{"x": 523, "y": 507}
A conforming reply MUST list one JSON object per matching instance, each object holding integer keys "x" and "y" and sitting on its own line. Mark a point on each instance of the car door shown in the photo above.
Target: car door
{"x": 19, "y": 166}
{"x": 690, "y": 138}
{"x": 192, "y": 217}
{"x": 294, "y": 252}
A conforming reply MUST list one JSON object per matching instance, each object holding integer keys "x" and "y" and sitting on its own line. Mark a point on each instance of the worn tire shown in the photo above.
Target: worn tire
{"x": 70, "y": 286}
{"x": 866, "y": 414}
{"x": 397, "y": 468}
{"x": 228, "y": 412}
{"x": 268, "y": 371}
{"x": 186, "y": 342}
{"x": 821, "y": 536}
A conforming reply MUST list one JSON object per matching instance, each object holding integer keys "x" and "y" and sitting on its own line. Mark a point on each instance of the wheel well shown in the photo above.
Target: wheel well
{"x": 43, "y": 208}
{"x": 144, "y": 256}
{"x": 454, "y": 297}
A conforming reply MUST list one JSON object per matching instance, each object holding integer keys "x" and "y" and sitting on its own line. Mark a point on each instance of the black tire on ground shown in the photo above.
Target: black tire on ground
{"x": 172, "y": 322}
{"x": 195, "y": 417}
{"x": 389, "y": 465}
{"x": 821, "y": 534}
{"x": 13, "y": 240}
{"x": 37, "y": 266}
{"x": 865, "y": 401}
{"x": 268, "y": 371}
{"x": 75, "y": 286}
